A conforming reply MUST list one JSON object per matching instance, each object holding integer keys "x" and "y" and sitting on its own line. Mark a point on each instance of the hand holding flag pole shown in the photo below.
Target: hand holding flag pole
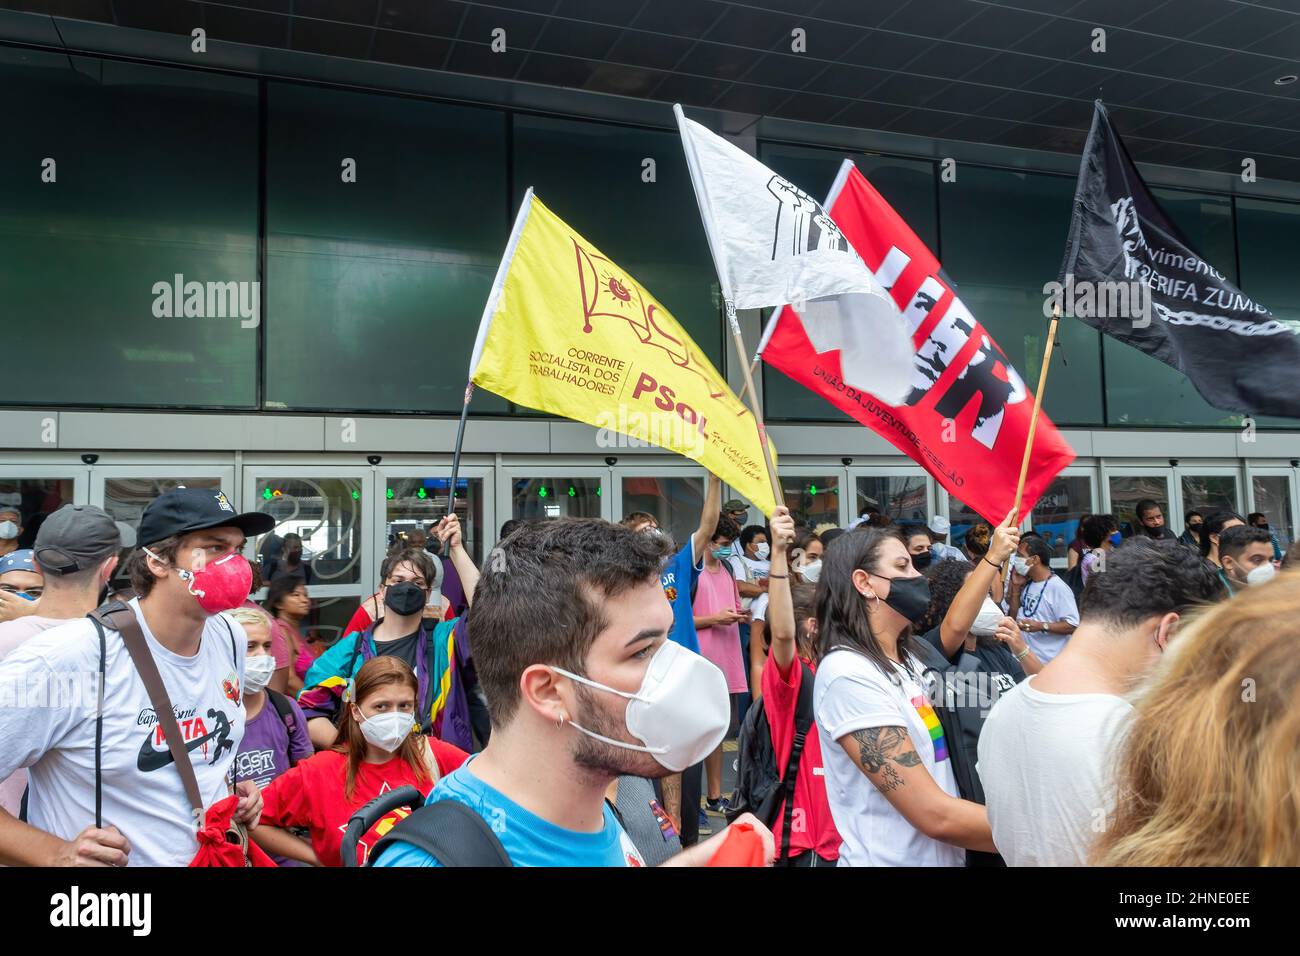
{"x": 1033, "y": 421}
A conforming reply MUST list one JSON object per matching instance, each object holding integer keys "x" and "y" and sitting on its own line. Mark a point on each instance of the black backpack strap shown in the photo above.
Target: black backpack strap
{"x": 99, "y": 731}
{"x": 803, "y": 718}
{"x": 281, "y": 705}
{"x": 451, "y": 833}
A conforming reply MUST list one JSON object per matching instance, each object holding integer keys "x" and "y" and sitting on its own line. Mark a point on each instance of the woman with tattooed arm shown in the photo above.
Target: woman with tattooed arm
{"x": 891, "y": 786}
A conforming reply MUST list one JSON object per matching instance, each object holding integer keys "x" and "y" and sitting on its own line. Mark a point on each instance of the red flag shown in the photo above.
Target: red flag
{"x": 967, "y": 416}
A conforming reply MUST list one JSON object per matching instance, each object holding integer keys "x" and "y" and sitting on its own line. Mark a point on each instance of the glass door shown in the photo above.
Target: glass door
{"x": 538, "y": 492}
{"x": 1207, "y": 489}
{"x": 813, "y": 496}
{"x": 416, "y": 497}
{"x": 1272, "y": 492}
{"x": 904, "y": 494}
{"x": 33, "y": 492}
{"x": 1125, "y": 486}
{"x": 1063, "y": 504}
{"x": 674, "y": 495}
{"x": 322, "y": 508}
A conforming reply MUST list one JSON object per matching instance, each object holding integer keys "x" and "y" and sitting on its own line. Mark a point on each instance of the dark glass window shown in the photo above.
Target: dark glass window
{"x": 1141, "y": 390}
{"x": 591, "y": 176}
{"x": 1003, "y": 236}
{"x": 375, "y": 287}
{"x": 153, "y": 177}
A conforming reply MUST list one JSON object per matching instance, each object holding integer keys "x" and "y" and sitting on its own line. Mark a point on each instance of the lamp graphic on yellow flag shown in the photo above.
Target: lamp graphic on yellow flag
{"x": 568, "y": 332}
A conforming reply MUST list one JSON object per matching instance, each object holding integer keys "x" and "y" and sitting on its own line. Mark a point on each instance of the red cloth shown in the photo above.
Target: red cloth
{"x": 359, "y": 621}
{"x": 967, "y": 426}
{"x": 817, "y": 832}
{"x": 213, "y": 848}
{"x": 742, "y": 846}
{"x": 311, "y": 795}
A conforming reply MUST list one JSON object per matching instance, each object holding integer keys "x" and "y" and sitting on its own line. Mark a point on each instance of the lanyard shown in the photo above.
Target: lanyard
{"x": 1030, "y": 611}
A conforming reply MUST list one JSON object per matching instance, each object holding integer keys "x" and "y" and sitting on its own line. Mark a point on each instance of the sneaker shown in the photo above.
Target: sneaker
{"x": 720, "y": 805}
{"x": 705, "y": 826}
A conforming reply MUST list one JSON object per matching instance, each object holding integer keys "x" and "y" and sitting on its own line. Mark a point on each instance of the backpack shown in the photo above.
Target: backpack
{"x": 1074, "y": 578}
{"x": 760, "y": 790}
{"x": 281, "y": 704}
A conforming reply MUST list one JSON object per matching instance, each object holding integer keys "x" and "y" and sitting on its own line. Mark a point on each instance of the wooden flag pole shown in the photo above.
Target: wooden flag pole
{"x": 1033, "y": 424}
{"x": 754, "y": 407}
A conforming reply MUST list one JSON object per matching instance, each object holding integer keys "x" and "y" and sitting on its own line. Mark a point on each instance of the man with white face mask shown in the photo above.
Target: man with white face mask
{"x": 570, "y": 639}
{"x": 11, "y": 526}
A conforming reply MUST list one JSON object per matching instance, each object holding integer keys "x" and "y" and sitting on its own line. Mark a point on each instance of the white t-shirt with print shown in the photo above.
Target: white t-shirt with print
{"x": 852, "y": 694}
{"x": 143, "y": 795}
{"x": 1045, "y": 761}
{"x": 1047, "y": 601}
{"x": 740, "y": 571}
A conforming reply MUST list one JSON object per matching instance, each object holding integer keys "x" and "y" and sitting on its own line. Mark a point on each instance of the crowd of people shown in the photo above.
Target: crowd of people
{"x": 897, "y": 699}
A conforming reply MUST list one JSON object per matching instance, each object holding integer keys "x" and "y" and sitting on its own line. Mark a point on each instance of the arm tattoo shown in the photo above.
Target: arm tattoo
{"x": 877, "y": 746}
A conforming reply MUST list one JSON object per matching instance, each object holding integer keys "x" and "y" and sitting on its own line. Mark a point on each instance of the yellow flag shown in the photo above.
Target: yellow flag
{"x": 566, "y": 331}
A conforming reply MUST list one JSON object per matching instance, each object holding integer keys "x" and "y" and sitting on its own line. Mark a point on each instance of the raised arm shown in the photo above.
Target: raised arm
{"x": 966, "y": 605}
{"x": 887, "y": 757}
{"x": 448, "y": 532}
{"x": 781, "y": 625}
{"x": 708, "y": 518}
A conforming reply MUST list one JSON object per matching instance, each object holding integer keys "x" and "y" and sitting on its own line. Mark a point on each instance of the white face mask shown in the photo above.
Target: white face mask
{"x": 761, "y": 551}
{"x": 257, "y": 672}
{"x": 988, "y": 619}
{"x": 1261, "y": 575}
{"x": 387, "y": 731}
{"x": 681, "y": 711}
{"x": 8, "y": 530}
{"x": 812, "y": 571}
{"x": 1020, "y": 564}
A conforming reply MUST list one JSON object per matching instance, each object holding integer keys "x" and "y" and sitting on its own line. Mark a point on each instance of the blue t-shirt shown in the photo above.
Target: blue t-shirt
{"x": 527, "y": 838}
{"x": 679, "y": 576}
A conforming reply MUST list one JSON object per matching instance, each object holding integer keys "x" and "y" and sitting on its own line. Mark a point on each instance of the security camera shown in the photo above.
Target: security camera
{"x": 846, "y": 461}
{"x": 90, "y": 459}
{"x": 1295, "y": 462}
{"x": 374, "y": 459}
{"x": 611, "y": 461}
{"x": 1173, "y": 462}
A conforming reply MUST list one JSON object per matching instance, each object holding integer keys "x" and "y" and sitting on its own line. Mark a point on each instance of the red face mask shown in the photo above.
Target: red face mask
{"x": 219, "y": 585}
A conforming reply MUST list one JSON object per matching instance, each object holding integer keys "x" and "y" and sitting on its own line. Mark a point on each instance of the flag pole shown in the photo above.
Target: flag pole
{"x": 1033, "y": 422}
{"x": 455, "y": 456}
{"x": 720, "y": 266}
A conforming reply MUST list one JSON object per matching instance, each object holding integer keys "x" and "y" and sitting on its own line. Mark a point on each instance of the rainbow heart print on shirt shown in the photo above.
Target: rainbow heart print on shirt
{"x": 931, "y": 721}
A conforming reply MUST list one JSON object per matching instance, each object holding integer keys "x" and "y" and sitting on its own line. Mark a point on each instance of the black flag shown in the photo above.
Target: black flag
{"x": 1237, "y": 354}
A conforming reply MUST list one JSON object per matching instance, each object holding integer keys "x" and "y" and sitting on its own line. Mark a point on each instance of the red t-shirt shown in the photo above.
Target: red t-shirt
{"x": 780, "y": 697}
{"x": 311, "y": 795}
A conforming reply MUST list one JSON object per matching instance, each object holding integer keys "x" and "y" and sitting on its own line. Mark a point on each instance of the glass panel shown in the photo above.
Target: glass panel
{"x": 34, "y": 498}
{"x": 908, "y": 186}
{"x": 1127, "y": 490}
{"x": 901, "y": 497}
{"x": 1208, "y": 494}
{"x": 962, "y": 519}
{"x": 1002, "y": 237}
{"x": 155, "y": 183}
{"x": 1268, "y": 247}
{"x": 589, "y": 174}
{"x": 1056, "y": 515}
{"x": 126, "y": 498}
{"x": 376, "y": 286}
{"x": 1273, "y": 498}
{"x": 675, "y": 503}
{"x": 326, "y": 514}
{"x": 812, "y": 501}
{"x": 421, "y": 502}
{"x": 1141, "y": 390}
{"x": 555, "y": 498}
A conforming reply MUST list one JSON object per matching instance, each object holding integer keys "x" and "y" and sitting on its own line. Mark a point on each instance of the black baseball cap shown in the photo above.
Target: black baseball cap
{"x": 74, "y": 538}
{"x": 183, "y": 510}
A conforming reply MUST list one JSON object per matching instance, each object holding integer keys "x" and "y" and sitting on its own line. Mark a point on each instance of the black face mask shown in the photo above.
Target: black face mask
{"x": 910, "y": 597}
{"x": 922, "y": 561}
{"x": 404, "y": 599}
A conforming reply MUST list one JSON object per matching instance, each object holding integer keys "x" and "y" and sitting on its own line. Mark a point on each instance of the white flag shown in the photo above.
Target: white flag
{"x": 774, "y": 244}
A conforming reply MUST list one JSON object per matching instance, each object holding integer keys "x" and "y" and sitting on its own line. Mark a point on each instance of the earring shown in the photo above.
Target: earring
{"x": 559, "y": 720}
